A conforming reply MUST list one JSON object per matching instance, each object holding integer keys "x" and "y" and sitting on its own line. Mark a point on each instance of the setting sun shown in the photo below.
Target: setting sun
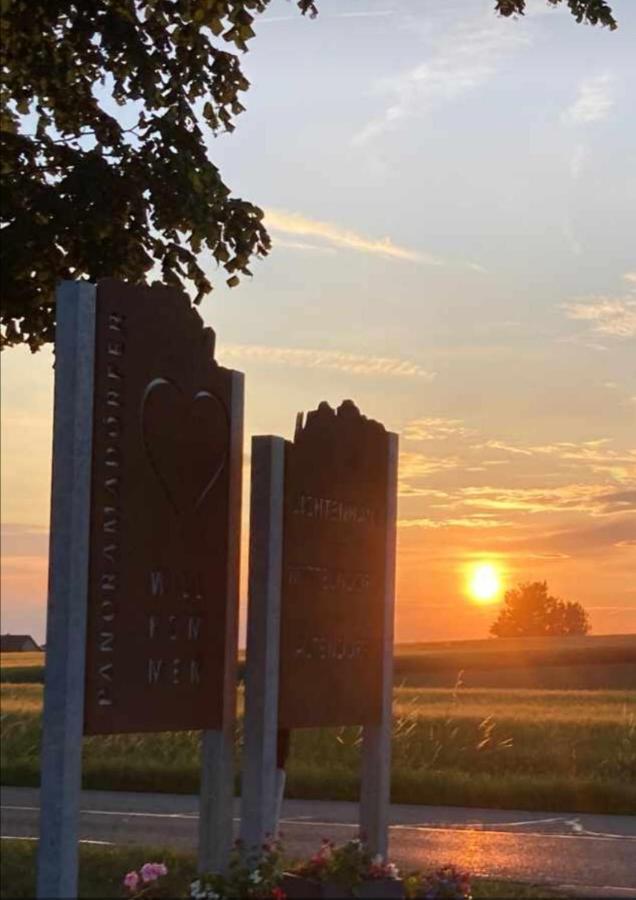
{"x": 484, "y": 583}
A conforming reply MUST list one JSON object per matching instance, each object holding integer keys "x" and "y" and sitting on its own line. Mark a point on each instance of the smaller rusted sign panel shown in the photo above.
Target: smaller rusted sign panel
{"x": 334, "y": 558}
{"x": 158, "y": 583}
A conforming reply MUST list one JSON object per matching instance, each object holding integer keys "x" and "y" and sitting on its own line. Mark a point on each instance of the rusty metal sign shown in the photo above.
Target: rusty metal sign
{"x": 158, "y": 595}
{"x": 334, "y": 558}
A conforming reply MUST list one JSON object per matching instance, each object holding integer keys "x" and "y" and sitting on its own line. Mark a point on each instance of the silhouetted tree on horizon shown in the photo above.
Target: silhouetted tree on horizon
{"x": 530, "y": 611}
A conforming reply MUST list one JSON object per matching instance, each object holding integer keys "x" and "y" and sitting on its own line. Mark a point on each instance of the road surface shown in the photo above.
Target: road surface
{"x": 589, "y": 854}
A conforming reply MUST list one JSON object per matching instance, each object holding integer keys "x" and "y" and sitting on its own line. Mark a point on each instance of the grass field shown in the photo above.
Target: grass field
{"x": 553, "y": 750}
{"x": 103, "y": 868}
{"x": 22, "y": 668}
{"x": 21, "y": 660}
{"x": 603, "y": 662}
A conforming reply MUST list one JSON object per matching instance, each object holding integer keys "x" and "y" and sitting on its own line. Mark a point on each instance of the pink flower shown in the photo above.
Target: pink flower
{"x": 152, "y": 871}
{"x": 131, "y": 881}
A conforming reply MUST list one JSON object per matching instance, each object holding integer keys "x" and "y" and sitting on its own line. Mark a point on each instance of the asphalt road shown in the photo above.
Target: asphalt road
{"x": 592, "y": 855}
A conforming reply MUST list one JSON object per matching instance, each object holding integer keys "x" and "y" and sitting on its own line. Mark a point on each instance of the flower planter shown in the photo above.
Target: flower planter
{"x": 297, "y": 887}
{"x": 379, "y": 888}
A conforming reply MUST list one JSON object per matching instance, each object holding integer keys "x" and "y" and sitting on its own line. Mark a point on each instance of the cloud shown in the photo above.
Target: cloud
{"x": 619, "y": 501}
{"x": 361, "y": 14}
{"x": 611, "y": 316}
{"x": 364, "y": 14}
{"x": 616, "y": 533}
{"x": 435, "y": 429}
{"x": 630, "y": 276}
{"x": 279, "y": 220}
{"x": 594, "y": 499}
{"x": 24, "y": 540}
{"x": 585, "y": 458}
{"x": 577, "y": 163}
{"x": 337, "y": 360}
{"x": 507, "y": 448}
{"x": 465, "y": 58}
{"x": 302, "y": 245}
{"x": 461, "y": 522}
{"x": 595, "y": 454}
{"x": 414, "y": 466}
{"x": 570, "y": 237}
{"x": 593, "y": 102}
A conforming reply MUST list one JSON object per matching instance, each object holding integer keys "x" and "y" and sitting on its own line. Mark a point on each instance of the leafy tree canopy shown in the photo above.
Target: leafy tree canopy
{"x": 593, "y": 12}
{"x": 529, "y": 611}
{"x": 104, "y": 114}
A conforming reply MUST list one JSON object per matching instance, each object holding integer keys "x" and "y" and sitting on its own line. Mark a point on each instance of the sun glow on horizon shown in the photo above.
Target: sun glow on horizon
{"x": 484, "y": 583}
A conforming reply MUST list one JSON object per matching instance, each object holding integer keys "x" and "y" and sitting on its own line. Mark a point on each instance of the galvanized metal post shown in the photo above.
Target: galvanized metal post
{"x": 375, "y": 789}
{"x": 63, "y": 718}
{"x": 216, "y": 805}
{"x": 261, "y": 781}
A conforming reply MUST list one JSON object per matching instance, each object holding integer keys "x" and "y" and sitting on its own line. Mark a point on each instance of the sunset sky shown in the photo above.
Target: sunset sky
{"x": 452, "y": 199}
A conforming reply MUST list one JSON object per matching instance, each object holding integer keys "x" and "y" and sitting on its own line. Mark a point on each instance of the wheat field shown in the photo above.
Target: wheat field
{"x": 527, "y": 749}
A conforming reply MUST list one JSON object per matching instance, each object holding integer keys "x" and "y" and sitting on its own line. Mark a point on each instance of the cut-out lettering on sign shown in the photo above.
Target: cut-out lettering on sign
{"x": 334, "y": 558}
{"x": 159, "y": 516}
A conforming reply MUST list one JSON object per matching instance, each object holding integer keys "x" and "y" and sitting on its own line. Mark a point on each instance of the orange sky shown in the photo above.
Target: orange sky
{"x": 559, "y": 511}
{"x": 452, "y": 201}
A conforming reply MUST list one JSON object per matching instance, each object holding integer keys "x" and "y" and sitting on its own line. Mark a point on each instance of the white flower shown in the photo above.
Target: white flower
{"x": 392, "y": 870}
{"x": 255, "y": 877}
{"x": 199, "y": 891}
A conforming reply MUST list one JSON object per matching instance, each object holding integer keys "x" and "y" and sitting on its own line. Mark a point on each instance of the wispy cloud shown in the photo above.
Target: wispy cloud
{"x": 465, "y": 58}
{"x": 630, "y": 277}
{"x": 570, "y": 237}
{"x": 507, "y": 448}
{"x": 352, "y": 363}
{"x": 279, "y": 220}
{"x": 356, "y": 14}
{"x": 595, "y": 455}
{"x": 302, "y": 245}
{"x": 592, "y": 456}
{"x": 610, "y": 316}
{"x": 593, "y": 102}
{"x": 577, "y": 162}
{"x": 453, "y": 447}
{"x": 435, "y": 429}
{"x": 415, "y": 466}
{"x": 595, "y": 499}
{"x": 482, "y": 521}
{"x": 364, "y": 14}
{"x": 24, "y": 540}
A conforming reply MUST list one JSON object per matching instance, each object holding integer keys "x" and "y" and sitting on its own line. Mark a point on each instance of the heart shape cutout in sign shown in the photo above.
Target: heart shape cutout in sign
{"x": 186, "y": 440}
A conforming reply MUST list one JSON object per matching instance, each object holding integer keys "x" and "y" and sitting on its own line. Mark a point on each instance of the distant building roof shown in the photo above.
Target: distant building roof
{"x": 11, "y": 643}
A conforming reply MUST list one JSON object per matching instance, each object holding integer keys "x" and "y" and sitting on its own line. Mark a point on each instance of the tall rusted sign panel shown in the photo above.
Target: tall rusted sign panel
{"x": 156, "y": 647}
{"x": 321, "y": 601}
{"x": 143, "y": 592}
{"x": 333, "y": 591}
